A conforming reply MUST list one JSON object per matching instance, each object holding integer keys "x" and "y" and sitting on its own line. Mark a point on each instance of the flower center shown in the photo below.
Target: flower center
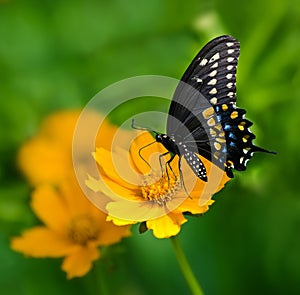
{"x": 160, "y": 191}
{"x": 83, "y": 229}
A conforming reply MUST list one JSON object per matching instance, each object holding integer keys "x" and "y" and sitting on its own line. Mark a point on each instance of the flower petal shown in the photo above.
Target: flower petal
{"x": 75, "y": 199}
{"x": 50, "y": 207}
{"x": 109, "y": 161}
{"x": 44, "y": 161}
{"x": 80, "y": 261}
{"x": 150, "y": 154}
{"x": 60, "y": 126}
{"x": 130, "y": 212}
{"x": 42, "y": 242}
{"x": 111, "y": 233}
{"x": 113, "y": 190}
{"x": 166, "y": 226}
{"x": 193, "y": 206}
{"x": 120, "y": 222}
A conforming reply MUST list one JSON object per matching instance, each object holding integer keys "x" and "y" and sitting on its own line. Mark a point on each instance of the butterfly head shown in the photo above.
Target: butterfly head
{"x": 159, "y": 137}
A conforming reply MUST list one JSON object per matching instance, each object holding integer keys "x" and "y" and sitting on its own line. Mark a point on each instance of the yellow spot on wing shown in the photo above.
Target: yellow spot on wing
{"x": 222, "y": 140}
{"x": 219, "y": 127}
{"x": 224, "y": 107}
{"x": 229, "y": 163}
{"x": 245, "y": 138}
{"x": 241, "y": 126}
{"x": 211, "y": 122}
{"x": 212, "y": 132}
{"x": 234, "y": 115}
{"x": 208, "y": 112}
{"x": 217, "y": 146}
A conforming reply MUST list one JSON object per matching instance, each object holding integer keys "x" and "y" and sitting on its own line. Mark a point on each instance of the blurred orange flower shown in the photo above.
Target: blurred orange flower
{"x": 73, "y": 228}
{"x": 140, "y": 194}
{"x": 47, "y": 157}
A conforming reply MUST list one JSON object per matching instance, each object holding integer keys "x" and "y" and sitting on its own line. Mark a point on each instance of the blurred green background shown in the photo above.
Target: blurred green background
{"x": 57, "y": 54}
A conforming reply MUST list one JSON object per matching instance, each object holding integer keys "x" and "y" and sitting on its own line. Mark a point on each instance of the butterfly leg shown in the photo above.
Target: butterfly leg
{"x": 168, "y": 164}
{"x": 161, "y": 165}
{"x": 181, "y": 177}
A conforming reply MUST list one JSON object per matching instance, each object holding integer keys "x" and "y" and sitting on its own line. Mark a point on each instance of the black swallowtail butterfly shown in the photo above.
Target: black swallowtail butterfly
{"x": 210, "y": 124}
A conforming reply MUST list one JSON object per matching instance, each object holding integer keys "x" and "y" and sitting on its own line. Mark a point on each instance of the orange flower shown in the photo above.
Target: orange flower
{"x": 47, "y": 157}
{"x": 73, "y": 228}
{"x": 141, "y": 194}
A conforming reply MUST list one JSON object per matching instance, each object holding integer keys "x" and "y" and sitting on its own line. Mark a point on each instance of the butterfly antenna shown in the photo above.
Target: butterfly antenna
{"x": 144, "y": 148}
{"x": 141, "y": 128}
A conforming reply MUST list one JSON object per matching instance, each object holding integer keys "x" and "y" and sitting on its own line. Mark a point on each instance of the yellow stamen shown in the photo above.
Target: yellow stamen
{"x": 83, "y": 228}
{"x": 160, "y": 191}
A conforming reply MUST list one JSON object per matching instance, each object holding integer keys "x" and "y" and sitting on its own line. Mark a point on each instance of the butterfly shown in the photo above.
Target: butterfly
{"x": 203, "y": 118}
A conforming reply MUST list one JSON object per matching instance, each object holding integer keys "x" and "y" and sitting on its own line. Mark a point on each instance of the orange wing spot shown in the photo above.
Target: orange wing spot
{"x": 219, "y": 127}
{"x": 245, "y": 138}
{"x": 217, "y": 146}
{"x": 217, "y": 155}
{"x": 208, "y": 112}
{"x": 213, "y": 133}
{"x": 222, "y": 140}
{"x": 224, "y": 107}
{"x": 241, "y": 126}
{"x": 234, "y": 115}
{"x": 229, "y": 163}
{"x": 211, "y": 122}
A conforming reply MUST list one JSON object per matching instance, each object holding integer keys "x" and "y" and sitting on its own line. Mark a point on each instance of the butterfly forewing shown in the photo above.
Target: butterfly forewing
{"x": 210, "y": 80}
{"x": 203, "y": 116}
{"x": 213, "y": 73}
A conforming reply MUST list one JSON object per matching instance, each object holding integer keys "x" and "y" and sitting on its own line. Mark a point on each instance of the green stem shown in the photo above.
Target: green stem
{"x": 99, "y": 279}
{"x": 185, "y": 267}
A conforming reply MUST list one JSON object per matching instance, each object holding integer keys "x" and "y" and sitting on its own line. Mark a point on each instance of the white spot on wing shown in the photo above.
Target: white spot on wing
{"x": 214, "y": 100}
{"x": 203, "y": 62}
{"x": 214, "y": 57}
{"x": 212, "y": 82}
{"x": 229, "y": 76}
{"x": 213, "y": 91}
{"x": 215, "y": 65}
{"x": 213, "y": 73}
{"x": 230, "y": 67}
{"x": 229, "y": 44}
{"x": 230, "y": 51}
{"x": 229, "y": 85}
{"x": 230, "y": 59}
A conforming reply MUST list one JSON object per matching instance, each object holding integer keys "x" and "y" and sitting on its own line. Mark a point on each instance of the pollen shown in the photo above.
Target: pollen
{"x": 159, "y": 191}
{"x": 83, "y": 228}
